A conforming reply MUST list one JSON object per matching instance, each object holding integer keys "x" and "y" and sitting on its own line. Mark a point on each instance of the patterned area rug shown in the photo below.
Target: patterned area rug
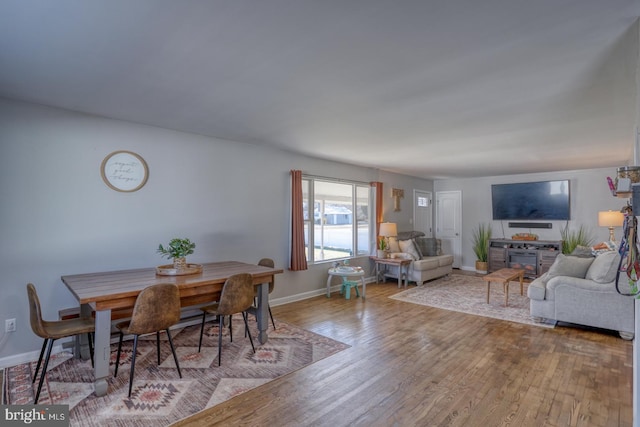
{"x": 468, "y": 294}
{"x": 159, "y": 396}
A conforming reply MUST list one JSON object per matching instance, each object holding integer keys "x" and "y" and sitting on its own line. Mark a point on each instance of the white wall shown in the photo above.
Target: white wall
{"x": 57, "y": 216}
{"x": 589, "y": 194}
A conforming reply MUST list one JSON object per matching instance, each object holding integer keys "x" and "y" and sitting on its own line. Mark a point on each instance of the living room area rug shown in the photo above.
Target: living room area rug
{"x": 468, "y": 294}
{"x": 159, "y": 396}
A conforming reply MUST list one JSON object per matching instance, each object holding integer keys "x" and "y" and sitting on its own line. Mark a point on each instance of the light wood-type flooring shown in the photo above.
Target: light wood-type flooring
{"x": 411, "y": 365}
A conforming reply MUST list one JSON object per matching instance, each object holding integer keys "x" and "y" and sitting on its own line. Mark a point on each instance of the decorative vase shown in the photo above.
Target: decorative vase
{"x": 180, "y": 263}
{"x": 381, "y": 253}
{"x": 481, "y": 267}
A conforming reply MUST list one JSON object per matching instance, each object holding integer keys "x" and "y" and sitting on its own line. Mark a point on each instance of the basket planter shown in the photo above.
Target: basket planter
{"x": 481, "y": 267}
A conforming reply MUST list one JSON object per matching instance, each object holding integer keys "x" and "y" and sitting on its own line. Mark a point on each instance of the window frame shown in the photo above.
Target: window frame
{"x": 309, "y": 183}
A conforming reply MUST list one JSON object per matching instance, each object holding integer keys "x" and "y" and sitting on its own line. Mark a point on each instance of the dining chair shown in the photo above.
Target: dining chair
{"x": 266, "y": 262}
{"x": 156, "y": 309}
{"x": 53, "y": 330}
{"x": 236, "y": 297}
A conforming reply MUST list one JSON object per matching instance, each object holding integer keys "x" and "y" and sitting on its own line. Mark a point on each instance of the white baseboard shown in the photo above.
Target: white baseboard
{"x": 18, "y": 359}
{"x": 306, "y": 295}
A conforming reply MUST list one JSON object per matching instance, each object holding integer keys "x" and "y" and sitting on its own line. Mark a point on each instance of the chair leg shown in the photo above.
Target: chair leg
{"x": 44, "y": 370}
{"x": 90, "y": 339}
{"x": 230, "y": 330}
{"x": 115, "y": 373}
{"x": 204, "y": 315}
{"x": 133, "y": 362}
{"x": 246, "y": 326}
{"x": 158, "y": 345}
{"x": 271, "y": 315}
{"x": 219, "y": 339}
{"x": 173, "y": 350}
{"x": 44, "y": 345}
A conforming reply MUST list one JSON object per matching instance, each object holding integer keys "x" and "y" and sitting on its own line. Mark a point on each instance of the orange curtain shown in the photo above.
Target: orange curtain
{"x": 298, "y": 257}
{"x": 379, "y": 212}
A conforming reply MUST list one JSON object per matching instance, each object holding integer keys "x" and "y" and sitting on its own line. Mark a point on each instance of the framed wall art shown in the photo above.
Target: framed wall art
{"x": 124, "y": 171}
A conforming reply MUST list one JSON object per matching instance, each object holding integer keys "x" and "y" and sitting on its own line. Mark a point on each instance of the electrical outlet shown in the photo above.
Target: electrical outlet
{"x": 10, "y": 325}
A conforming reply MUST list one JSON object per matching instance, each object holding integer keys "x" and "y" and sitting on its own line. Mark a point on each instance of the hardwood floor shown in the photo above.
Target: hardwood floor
{"x": 411, "y": 365}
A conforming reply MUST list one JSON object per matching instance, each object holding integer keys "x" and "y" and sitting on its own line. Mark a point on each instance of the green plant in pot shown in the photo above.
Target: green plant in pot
{"x": 480, "y": 239}
{"x": 178, "y": 249}
{"x": 382, "y": 247}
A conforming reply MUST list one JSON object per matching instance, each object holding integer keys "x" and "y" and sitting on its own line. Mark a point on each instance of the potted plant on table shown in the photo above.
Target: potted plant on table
{"x": 481, "y": 237}
{"x": 382, "y": 248}
{"x": 178, "y": 249}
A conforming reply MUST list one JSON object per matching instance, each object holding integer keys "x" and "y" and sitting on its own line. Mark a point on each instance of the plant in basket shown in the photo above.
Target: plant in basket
{"x": 178, "y": 249}
{"x": 480, "y": 241}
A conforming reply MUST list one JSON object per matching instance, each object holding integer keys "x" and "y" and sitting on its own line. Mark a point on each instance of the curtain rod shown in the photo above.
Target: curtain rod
{"x": 326, "y": 178}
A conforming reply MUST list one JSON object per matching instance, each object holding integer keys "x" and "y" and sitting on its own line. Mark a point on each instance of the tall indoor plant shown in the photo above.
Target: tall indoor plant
{"x": 481, "y": 237}
{"x": 574, "y": 238}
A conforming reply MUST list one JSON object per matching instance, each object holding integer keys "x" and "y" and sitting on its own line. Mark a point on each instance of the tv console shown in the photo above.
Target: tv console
{"x": 533, "y": 256}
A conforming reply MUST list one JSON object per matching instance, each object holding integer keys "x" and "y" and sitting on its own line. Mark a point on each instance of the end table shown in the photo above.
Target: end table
{"x": 401, "y": 263}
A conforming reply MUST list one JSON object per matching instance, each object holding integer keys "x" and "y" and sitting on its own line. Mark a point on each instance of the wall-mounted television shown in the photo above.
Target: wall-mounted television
{"x": 548, "y": 200}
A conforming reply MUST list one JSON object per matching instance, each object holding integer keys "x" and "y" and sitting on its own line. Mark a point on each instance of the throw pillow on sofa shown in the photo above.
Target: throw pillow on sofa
{"x": 408, "y": 247}
{"x": 427, "y": 246}
{"x": 572, "y": 266}
{"x": 604, "y": 267}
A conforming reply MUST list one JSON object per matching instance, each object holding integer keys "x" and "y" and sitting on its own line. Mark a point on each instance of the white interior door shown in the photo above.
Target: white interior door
{"x": 422, "y": 212}
{"x": 449, "y": 223}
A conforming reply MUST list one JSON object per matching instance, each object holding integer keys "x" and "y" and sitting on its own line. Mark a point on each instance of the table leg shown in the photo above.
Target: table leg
{"x": 102, "y": 352}
{"x": 262, "y": 312}
{"x": 522, "y": 284}
{"x": 406, "y": 276}
{"x": 506, "y": 293}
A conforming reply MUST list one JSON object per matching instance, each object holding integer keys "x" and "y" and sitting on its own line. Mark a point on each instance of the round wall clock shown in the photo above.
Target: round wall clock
{"x": 124, "y": 171}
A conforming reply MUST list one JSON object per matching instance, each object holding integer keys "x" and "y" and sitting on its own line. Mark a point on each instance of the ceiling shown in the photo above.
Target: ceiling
{"x": 434, "y": 89}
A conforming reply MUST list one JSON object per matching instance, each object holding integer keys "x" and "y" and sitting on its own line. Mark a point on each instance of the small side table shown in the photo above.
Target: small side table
{"x": 346, "y": 272}
{"x": 401, "y": 263}
{"x": 504, "y": 276}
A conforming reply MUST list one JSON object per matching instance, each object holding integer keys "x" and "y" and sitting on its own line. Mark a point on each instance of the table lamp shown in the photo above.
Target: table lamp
{"x": 610, "y": 219}
{"x": 388, "y": 229}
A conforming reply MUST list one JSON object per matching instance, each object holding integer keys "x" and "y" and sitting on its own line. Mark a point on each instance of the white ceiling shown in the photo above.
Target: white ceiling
{"x": 435, "y": 89}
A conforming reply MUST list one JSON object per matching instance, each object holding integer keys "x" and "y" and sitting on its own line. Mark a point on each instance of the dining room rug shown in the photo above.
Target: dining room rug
{"x": 468, "y": 294}
{"x": 159, "y": 397}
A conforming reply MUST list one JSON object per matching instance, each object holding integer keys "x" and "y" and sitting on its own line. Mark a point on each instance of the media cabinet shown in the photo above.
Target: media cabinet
{"x": 533, "y": 256}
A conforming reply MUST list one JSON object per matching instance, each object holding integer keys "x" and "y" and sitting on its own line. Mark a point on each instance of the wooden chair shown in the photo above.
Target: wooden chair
{"x": 53, "y": 330}
{"x": 157, "y": 308}
{"x": 266, "y": 262}
{"x": 236, "y": 297}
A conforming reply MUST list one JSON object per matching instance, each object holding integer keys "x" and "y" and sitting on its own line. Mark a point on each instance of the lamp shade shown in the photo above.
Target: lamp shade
{"x": 388, "y": 229}
{"x": 610, "y": 219}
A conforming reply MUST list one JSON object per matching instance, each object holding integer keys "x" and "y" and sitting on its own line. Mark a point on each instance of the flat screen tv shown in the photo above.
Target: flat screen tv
{"x": 548, "y": 200}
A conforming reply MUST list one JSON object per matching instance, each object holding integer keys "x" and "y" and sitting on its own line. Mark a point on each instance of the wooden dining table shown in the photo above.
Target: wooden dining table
{"x": 102, "y": 293}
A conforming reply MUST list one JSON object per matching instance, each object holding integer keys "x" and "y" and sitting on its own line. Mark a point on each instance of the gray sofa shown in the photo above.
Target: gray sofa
{"x": 428, "y": 261}
{"x": 583, "y": 291}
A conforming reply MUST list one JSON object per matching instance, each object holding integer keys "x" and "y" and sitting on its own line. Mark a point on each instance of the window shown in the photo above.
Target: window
{"x": 337, "y": 218}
